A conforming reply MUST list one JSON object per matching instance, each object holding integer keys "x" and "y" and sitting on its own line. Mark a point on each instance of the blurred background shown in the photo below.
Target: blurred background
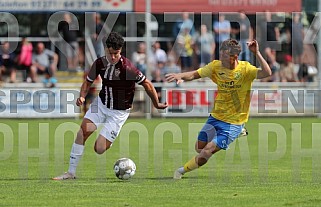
{"x": 51, "y": 44}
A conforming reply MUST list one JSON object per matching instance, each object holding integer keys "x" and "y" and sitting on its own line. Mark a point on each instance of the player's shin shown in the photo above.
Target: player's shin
{"x": 75, "y": 155}
{"x": 191, "y": 165}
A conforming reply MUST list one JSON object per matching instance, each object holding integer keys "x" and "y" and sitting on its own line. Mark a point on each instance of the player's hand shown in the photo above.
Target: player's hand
{"x": 173, "y": 77}
{"x": 253, "y": 46}
{"x": 161, "y": 105}
{"x": 80, "y": 101}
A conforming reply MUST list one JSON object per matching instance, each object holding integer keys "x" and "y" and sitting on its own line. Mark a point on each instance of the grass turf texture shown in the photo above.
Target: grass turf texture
{"x": 260, "y": 170}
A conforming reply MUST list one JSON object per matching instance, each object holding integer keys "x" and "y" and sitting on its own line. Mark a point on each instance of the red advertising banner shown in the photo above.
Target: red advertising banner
{"x": 215, "y": 6}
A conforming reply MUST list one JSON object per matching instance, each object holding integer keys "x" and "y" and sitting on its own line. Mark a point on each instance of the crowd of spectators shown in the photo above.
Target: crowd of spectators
{"x": 193, "y": 46}
{"x": 30, "y": 60}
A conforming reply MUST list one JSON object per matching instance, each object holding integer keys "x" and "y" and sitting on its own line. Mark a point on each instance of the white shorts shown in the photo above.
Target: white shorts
{"x": 112, "y": 120}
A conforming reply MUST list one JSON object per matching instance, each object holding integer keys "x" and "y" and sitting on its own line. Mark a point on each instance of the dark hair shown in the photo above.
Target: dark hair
{"x": 232, "y": 45}
{"x": 115, "y": 41}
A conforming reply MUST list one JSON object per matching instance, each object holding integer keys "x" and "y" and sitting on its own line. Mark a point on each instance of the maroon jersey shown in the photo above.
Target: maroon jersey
{"x": 118, "y": 82}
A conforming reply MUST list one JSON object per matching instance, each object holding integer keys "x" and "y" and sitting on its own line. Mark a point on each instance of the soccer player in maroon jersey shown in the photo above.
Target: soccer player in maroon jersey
{"x": 112, "y": 107}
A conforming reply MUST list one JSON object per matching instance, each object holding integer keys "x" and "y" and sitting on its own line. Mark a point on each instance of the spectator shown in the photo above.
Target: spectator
{"x": 184, "y": 22}
{"x": 222, "y": 29}
{"x": 98, "y": 30}
{"x": 70, "y": 36}
{"x": 270, "y": 32}
{"x": 185, "y": 44}
{"x": 25, "y": 58}
{"x": 287, "y": 73}
{"x": 303, "y": 74}
{"x": 7, "y": 62}
{"x": 44, "y": 61}
{"x": 205, "y": 46}
{"x": 297, "y": 38}
{"x": 159, "y": 55}
{"x": 245, "y": 35}
{"x": 139, "y": 57}
{"x": 171, "y": 66}
{"x": 306, "y": 73}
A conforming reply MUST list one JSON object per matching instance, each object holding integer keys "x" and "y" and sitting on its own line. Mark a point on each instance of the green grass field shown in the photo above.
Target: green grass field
{"x": 278, "y": 164}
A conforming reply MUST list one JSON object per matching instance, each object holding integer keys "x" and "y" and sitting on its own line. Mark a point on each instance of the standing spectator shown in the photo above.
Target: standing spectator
{"x": 70, "y": 36}
{"x": 7, "y": 62}
{"x": 185, "y": 44}
{"x": 139, "y": 57}
{"x": 44, "y": 61}
{"x": 98, "y": 30}
{"x": 25, "y": 58}
{"x": 297, "y": 38}
{"x": 245, "y": 35}
{"x": 270, "y": 32}
{"x": 287, "y": 73}
{"x": 205, "y": 46}
{"x": 222, "y": 29}
{"x": 184, "y": 22}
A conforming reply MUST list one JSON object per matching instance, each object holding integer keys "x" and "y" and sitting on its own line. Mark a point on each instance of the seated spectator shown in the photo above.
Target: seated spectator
{"x": 303, "y": 73}
{"x": 44, "y": 61}
{"x": 159, "y": 55}
{"x": 171, "y": 66}
{"x": 287, "y": 73}
{"x": 139, "y": 57}
{"x": 7, "y": 62}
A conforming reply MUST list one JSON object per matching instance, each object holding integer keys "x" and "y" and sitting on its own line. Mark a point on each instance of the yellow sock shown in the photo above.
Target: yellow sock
{"x": 191, "y": 165}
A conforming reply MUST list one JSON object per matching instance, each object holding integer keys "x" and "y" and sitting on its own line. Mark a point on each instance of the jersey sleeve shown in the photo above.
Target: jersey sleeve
{"x": 133, "y": 73}
{"x": 207, "y": 70}
{"x": 251, "y": 72}
{"x": 94, "y": 71}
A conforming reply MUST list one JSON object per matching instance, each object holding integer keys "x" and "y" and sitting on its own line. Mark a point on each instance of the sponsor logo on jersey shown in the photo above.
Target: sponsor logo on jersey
{"x": 117, "y": 72}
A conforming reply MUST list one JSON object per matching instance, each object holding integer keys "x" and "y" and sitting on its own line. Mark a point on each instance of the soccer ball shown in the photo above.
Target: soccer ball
{"x": 124, "y": 168}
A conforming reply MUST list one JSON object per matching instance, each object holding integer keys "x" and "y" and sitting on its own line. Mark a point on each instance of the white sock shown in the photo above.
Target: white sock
{"x": 181, "y": 170}
{"x": 75, "y": 155}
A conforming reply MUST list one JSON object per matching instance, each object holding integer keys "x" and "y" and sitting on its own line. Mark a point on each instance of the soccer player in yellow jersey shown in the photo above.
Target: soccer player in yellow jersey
{"x": 231, "y": 107}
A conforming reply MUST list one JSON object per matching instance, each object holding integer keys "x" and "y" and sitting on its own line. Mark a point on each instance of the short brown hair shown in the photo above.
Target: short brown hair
{"x": 232, "y": 46}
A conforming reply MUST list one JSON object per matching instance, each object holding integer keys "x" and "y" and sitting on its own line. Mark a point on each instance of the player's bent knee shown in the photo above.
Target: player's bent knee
{"x": 198, "y": 150}
{"x": 100, "y": 150}
{"x": 199, "y": 145}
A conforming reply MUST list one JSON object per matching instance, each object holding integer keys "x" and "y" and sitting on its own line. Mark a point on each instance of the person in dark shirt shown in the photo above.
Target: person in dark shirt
{"x": 69, "y": 33}
{"x": 112, "y": 107}
{"x": 7, "y": 62}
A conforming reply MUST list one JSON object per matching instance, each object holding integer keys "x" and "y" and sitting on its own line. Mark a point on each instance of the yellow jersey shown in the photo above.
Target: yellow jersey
{"x": 232, "y": 100}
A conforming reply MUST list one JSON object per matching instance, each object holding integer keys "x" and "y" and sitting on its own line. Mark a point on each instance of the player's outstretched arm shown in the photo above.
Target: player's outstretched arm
{"x": 180, "y": 77}
{"x": 151, "y": 92}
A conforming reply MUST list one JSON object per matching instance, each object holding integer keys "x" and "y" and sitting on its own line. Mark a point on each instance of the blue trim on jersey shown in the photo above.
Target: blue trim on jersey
{"x": 219, "y": 132}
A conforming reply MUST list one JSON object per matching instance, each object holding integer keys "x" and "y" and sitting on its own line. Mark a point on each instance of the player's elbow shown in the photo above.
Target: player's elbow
{"x": 268, "y": 73}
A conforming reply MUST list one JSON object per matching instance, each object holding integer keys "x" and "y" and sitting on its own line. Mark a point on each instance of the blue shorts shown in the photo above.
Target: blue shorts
{"x": 219, "y": 132}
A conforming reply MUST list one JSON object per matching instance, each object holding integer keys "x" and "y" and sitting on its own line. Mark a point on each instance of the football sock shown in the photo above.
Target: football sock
{"x": 75, "y": 155}
{"x": 191, "y": 165}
